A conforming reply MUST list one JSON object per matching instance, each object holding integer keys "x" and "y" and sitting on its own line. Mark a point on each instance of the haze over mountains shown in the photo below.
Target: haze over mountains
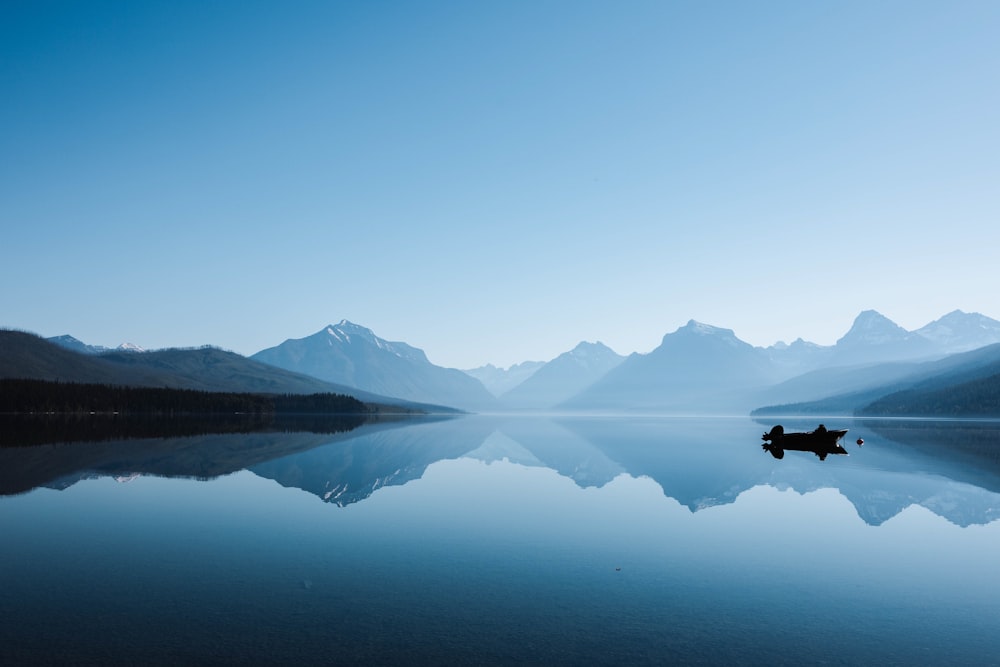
{"x": 563, "y": 377}
{"x": 696, "y": 369}
{"x": 499, "y": 381}
{"x": 696, "y": 365}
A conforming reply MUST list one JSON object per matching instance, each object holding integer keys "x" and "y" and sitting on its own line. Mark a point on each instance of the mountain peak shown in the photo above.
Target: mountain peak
{"x": 348, "y": 334}
{"x": 591, "y": 355}
{"x": 702, "y": 329}
{"x": 961, "y": 318}
{"x": 699, "y": 327}
{"x": 349, "y": 328}
{"x": 72, "y": 343}
{"x": 959, "y": 331}
{"x": 696, "y": 328}
{"x": 352, "y": 355}
{"x": 871, "y": 315}
{"x": 66, "y": 339}
{"x": 587, "y": 348}
{"x": 872, "y": 327}
{"x": 564, "y": 376}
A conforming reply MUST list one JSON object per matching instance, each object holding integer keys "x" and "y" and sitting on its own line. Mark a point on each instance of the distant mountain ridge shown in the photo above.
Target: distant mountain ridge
{"x": 961, "y": 332}
{"x": 24, "y": 355}
{"x": 695, "y": 364}
{"x": 499, "y": 381}
{"x": 701, "y": 367}
{"x": 563, "y": 377}
{"x": 77, "y": 345}
{"x": 875, "y": 338}
{"x": 352, "y": 355}
{"x": 964, "y": 384}
{"x": 698, "y": 368}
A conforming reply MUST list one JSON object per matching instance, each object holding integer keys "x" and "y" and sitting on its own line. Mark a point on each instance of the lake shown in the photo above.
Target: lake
{"x": 505, "y": 539}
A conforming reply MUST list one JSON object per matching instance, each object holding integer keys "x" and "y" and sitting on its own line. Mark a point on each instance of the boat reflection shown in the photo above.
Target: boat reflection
{"x": 698, "y": 462}
{"x": 822, "y": 442}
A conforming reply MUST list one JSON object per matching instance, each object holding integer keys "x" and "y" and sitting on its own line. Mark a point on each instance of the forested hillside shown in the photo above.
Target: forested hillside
{"x": 40, "y": 396}
{"x": 977, "y": 398}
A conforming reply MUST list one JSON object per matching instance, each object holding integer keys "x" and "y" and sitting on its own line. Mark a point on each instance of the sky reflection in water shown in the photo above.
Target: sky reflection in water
{"x": 569, "y": 541}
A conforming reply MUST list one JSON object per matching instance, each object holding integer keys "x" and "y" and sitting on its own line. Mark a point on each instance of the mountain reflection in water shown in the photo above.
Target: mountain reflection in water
{"x": 56, "y": 452}
{"x": 501, "y": 540}
{"x": 951, "y": 468}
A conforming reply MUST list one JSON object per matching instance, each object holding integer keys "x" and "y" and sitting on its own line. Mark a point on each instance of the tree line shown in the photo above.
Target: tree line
{"x": 20, "y": 396}
{"x": 977, "y": 398}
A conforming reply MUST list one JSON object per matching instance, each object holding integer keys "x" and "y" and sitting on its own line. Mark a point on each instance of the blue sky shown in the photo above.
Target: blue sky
{"x": 495, "y": 182}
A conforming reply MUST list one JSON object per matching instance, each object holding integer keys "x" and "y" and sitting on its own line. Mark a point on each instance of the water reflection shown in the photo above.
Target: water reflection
{"x": 949, "y": 468}
{"x": 492, "y": 540}
{"x": 374, "y": 456}
{"x": 822, "y": 442}
{"x": 974, "y": 442}
{"x": 56, "y": 453}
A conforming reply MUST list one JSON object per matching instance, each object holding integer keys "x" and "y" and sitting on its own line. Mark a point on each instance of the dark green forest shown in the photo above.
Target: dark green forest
{"x": 43, "y": 429}
{"x": 19, "y": 396}
{"x": 978, "y": 398}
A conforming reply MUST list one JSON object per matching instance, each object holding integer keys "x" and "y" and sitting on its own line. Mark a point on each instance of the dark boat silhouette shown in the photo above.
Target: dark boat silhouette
{"x": 820, "y": 442}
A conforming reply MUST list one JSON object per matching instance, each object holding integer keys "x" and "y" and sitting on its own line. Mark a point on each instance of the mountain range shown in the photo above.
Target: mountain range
{"x": 959, "y": 385}
{"x": 77, "y": 345}
{"x": 698, "y": 368}
{"x": 697, "y": 365}
{"x": 701, "y": 367}
{"x": 25, "y": 355}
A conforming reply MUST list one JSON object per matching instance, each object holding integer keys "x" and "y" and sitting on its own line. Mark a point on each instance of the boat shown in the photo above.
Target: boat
{"x": 821, "y": 442}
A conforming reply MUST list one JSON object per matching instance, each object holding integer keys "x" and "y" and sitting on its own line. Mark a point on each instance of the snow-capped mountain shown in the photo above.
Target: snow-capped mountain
{"x": 961, "y": 332}
{"x": 563, "y": 377}
{"x": 77, "y": 345}
{"x": 352, "y": 355}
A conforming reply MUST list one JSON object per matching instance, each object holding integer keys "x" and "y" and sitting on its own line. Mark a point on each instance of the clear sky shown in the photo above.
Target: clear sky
{"x": 495, "y": 181}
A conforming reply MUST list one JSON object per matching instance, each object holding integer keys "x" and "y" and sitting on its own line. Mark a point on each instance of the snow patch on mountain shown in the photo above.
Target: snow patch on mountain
{"x": 960, "y": 332}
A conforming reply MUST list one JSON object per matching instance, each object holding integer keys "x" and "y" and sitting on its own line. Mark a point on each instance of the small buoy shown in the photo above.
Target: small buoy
{"x": 860, "y": 442}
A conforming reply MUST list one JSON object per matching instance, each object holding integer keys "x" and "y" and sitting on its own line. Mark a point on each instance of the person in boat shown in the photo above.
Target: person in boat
{"x": 821, "y": 429}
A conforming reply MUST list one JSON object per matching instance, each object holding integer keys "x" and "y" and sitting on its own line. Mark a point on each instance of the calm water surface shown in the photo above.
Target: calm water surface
{"x": 505, "y": 540}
